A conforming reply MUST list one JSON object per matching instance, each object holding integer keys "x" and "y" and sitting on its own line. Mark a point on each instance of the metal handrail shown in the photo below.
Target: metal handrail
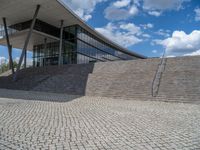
{"x": 159, "y": 73}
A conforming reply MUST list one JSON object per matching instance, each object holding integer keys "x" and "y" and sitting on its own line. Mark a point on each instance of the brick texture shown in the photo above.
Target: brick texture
{"x": 122, "y": 79}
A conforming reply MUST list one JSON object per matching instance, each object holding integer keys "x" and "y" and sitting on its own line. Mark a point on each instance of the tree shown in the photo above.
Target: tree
{"x": 15, "y": 64}
{"x": 4, "y": 67}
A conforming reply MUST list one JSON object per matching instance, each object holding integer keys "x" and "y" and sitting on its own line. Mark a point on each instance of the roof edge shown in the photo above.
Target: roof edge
{"x": 99, "y": 34}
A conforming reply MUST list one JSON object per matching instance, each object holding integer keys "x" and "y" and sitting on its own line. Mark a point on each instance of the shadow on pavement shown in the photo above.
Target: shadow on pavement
{"x": 67, "y": 79}
{"x": 37, "y": 96}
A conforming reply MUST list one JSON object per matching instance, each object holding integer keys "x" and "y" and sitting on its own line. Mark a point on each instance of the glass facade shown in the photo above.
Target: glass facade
{"x": 79, "y": 46}
{"x": 90, "y": 49}
{"x": 97, "y": 49}
{"x": 49, "y": 54}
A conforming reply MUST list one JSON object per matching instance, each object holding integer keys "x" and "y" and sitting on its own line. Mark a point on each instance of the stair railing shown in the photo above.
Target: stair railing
{"x": 158, "y": 76}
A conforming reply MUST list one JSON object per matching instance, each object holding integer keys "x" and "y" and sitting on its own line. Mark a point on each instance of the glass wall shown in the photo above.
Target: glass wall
{"x": 70, "y": 44}
{"x": 97, "y": 49}
{"x": 45, "y": 55}
{"x": 79, "y": 47}
{"x": 93, "y": 48}
{"x": 49, "y": 54}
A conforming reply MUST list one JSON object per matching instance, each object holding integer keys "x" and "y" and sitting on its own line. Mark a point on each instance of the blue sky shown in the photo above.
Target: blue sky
{"x": 147, "y": 27}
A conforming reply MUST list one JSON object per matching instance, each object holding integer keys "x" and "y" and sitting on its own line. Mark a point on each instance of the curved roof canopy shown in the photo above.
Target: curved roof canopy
{"x": 51, "y": 12}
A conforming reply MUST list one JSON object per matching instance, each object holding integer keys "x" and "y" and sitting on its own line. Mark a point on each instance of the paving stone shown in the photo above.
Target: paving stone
{"x": 97, "y": 123}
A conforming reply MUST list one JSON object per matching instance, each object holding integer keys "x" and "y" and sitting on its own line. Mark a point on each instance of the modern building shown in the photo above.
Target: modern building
{"x": 54, "y": 34}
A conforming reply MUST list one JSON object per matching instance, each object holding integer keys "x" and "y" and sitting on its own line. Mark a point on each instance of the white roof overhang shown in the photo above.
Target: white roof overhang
{"x": 51, "y": 12}
{"x": 17, "y": 39}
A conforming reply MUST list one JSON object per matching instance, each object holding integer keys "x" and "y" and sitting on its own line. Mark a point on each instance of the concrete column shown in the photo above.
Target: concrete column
{"x": 9, "y": 46}
{"x": 25, "y": 58}
{"x": 45, "y": 51}
{"x": 27, "y": 41}
{"x": 60, "y": 60}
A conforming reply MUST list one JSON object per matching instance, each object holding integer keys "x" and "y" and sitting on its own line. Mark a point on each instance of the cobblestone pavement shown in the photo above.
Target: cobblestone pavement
{"x": 98, "y": 123}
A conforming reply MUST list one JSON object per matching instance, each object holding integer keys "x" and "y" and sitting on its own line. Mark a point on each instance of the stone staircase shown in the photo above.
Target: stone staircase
{"x": 132, "y": 79}
{"x": 157, "y": 77}
{"x": 181, "y": 80}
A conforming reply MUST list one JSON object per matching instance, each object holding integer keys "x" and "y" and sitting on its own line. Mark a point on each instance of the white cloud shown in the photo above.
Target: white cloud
{"x": 156, "y": 7}
{"x": 171, "y": 56}
{"x": 163, "y": 4}
{"x": 3, "y": 60}
{"x": 121, "y": 10}
{"x": 181, "y": 43}
{"x": 162, "y": 32}
{"x": 197, "y": 11}
{"x": 121, "y": 3}
{"x": 83, "y": 8}
{"x": 154, "y": 51}
{"x": 29, "y": 62}
{"x": 130, "y": 27}
{"x": 147, "y": 26}
{"x": 193, "y": 53}
{"x": 123, "y": 34}
{"x": 155, "y": 13}
{"x": 133, "y": 10}
{"x": 146, "y": 35}
{"x": 136, "y": 2}
{"x": 16, "y": 59}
